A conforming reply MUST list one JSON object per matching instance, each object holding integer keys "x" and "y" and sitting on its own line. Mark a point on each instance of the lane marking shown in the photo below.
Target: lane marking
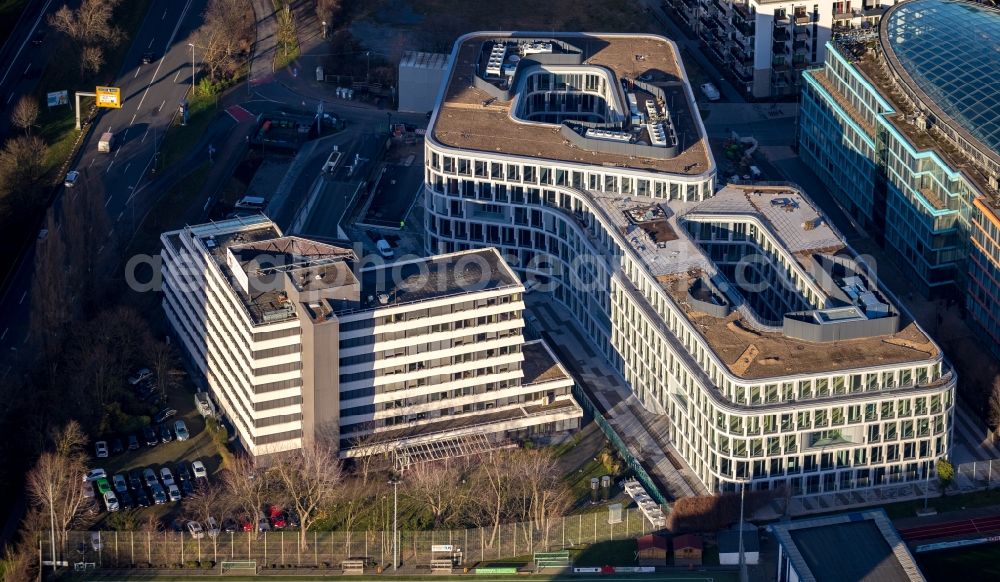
{"x": 151, "y": 42}
{"x": 177, "y": 75}
{"x": 27, "y": 37}
{"x": 119, "y": 150}
{"x": 207, "y": 202}
{"x": 137, "y": 72}
{"x": 164, "y": 15}
{"x": 92, "y": 160}
{"x": 109, "y": 200}
{"x": 144, "y": 136}
{"x": 162, "y": 103}
{"x": 26, "y": 69}
{"x": 127, "y": 166}
{"x": 133, "y": 120}
{"x": 109, "y": 169}
{"x": 23, "y": 295}
{"x": 120, "y": 215}
{"x": 4, "y": 334}
{"x": 10, "y": 97}
{"x": 111, "y": 232}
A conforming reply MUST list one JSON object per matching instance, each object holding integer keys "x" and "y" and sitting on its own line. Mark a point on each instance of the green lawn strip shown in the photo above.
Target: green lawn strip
{"x": 944, "y": 504}
{"x": 180, "y": 138}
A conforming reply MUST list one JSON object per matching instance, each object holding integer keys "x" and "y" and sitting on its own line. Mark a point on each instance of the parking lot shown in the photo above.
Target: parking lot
{"x": 155, "y": 447}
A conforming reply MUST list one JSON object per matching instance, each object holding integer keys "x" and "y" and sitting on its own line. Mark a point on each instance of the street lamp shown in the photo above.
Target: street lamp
{"x": 395, "y": 524}
{"x": 743, "y": 563}
{"x": 191, "y": 44}
{"x": 324, "y": 29}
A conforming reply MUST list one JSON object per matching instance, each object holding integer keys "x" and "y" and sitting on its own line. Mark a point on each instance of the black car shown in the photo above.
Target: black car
{"x": 133, "y": 442}
{"x": 135, "y": 479}
{"x": 293, "y": 519}
{"x": 38, "y": 38}
{"x": 150, "y": 435}
{"x": 187, "y": 487}
{"x": 148, "y": 57}
{"x": 166, "y": 435}
{"x": 125, "y": 500}
{"x": 183, "y": 472}
{"x": 229, "y": 525}
{"x": 117, "y": 447}
{"x": 164, "y": 415}
{"x": 141, "y": 499}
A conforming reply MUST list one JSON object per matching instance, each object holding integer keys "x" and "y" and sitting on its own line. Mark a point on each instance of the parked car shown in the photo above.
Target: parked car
{"x": 149, "y": 475}
{"x": 229, "y": 525}
{"x": 102, "y": 486}
{"x": 125, "y": 500}
{"x": 195, "y": 528}
{"x": 141, "y": 499}
{"x": 95, "y": 474}
{"x": 211, "y": 527}
{"x": 140, "y": 375}
{"x": 166, "y": 476}
{"x": 148, "y": 57}
{"x": 71, "y": 177}
{"x": 276, "y": 516}
{"x": 164, "y": 415}
{"x": 246, "y": 524}
{"x": 111, "y": 501}
{"x": 117, "y": 447}
{"x": 159, "y": 495}
{"x": 102, "y": 449}
{"x": 199, "y": 470}
{"x": 120, "y": 483}
{"x": 710, "y": 91}
{"x": 135, "y": 479}
{"x": 133, "y": 442}
{"x": 384, "y": 248}
{"x": 173, "y": 492}
{"x": 183, "y": 473}
{"x": 187, "y": 487}
{"x": 263, "y": 524}
{"x": 181, "y": 430}
{"x": 150, "y": 436}
{"x": 165, "y": 435}
{"x": 293, "y": 519}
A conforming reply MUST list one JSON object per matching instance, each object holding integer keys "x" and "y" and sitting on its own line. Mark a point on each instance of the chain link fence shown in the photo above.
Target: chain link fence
{"x": 277, "y": 549}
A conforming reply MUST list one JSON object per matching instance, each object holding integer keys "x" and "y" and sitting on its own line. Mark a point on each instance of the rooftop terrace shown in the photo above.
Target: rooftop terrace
{"x": 473, "y": 119}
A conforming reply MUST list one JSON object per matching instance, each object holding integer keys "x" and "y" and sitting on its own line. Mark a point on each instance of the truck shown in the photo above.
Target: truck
{"x": 107, "y": 142}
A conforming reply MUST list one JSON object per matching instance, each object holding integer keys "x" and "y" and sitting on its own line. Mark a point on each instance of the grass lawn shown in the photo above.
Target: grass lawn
{"x": 180, "y": 138}
{"x": 609, "y": 553}
{"x": 972, "y": 563}
{"x": 944, "y": 504}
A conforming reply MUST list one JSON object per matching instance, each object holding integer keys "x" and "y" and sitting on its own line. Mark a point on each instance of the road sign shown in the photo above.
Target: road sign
{"x": 58, "y": 98}
{"x": 109, "y": 97}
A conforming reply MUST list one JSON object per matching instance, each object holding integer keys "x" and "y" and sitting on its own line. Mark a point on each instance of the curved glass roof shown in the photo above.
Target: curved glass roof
{"x": 951, "y": 50}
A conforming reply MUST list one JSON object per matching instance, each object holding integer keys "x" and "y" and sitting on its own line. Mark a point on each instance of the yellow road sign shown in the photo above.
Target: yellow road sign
{"x": 109, "y": 97}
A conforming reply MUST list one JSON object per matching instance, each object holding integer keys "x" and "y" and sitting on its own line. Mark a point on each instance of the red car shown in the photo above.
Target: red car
{"x": 277, "y": 517}
{"x": 246, "y": 524}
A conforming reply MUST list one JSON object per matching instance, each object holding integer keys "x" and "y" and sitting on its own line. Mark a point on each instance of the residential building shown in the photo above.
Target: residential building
{"x": 741, "y": 315}
{"x": 300, "y": 340}
{"x": 906, "y": 132}
{"x": 766, "y": 44}
{"x": 850, "y": 546}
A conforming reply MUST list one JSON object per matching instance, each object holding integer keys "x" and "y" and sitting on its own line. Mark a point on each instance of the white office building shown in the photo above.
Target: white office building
{"x": 301, "y": 340}
{"x": 741, "y": 314}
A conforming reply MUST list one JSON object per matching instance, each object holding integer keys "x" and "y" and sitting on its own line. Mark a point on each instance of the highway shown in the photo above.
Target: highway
{"x": 22, "y": 60}
{"x": 151, "y": 94}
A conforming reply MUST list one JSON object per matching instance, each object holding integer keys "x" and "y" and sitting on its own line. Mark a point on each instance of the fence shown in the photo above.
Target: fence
{"x": 130, "y": 549}
{"x": 647, "y": 482}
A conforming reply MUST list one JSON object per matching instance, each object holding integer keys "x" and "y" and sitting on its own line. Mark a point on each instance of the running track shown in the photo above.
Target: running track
{"x": 979, "y": 525}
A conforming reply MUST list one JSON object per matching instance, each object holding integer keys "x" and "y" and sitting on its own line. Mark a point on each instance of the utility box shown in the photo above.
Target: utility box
{"x": 319, "y": 74}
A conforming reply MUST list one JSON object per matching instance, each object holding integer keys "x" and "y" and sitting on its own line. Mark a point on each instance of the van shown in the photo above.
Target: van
{"x": 107, "y": 142}
{"x": 384, "y": 248}
{"x": 252, "y": 203}
{"x": 710, "y": 92}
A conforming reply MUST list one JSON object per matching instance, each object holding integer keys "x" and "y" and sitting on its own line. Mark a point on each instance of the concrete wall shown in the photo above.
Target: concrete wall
{"x": 419, "y": 83}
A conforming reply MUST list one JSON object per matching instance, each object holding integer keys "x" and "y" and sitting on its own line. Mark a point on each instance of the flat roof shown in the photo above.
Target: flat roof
{"x": 676, "y": 260}
{"x": 540, "y": 364}
{"x": 435, "y": 277}
{"x": 463, "y": 121}
{"x": 862, "y": 546}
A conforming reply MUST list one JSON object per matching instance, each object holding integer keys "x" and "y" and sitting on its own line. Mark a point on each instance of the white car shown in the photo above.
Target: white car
{"x": 111, "y": 501}
{"x": 199, "y": 470}
{"x": 71, "y": 177}
{"x": 195, "y": 528}
{"x": 384, "y": 248}
{"x": 95, "y": 474}
{"x": 173, "y": 492}
{"x": 212, "y": 526}
{"x": 102, "y": 449}
{"x": 140, "y": 375}
{"x": 181, "y": 430}
{"x": 166, "y": 476}
{"x": 710, "y": 92}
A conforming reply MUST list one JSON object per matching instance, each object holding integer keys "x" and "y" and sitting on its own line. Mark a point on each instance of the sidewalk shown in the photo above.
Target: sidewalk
{"x": 262, "y": 67}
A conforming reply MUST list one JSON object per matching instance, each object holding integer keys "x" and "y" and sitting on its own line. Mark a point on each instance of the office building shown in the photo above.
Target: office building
{"x": 906, "y": 132}
{"x": 766, "y": 44}
{"x": 740, "y": 314}
{"x": 300, "y": 340}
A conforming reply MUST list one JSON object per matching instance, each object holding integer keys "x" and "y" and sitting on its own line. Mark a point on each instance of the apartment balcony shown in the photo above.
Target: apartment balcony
{"x": 743, "y": 43}
{"x": 744, "y": 58}
{"x": 803, "y": 19}
{"x": 801, "y": 33}
{"x": 781, "y": 35}
{"x": 800, "y": 47}
{"x": 743, "y": 73}
{"x": 782, "y": 21}
{"x": 743, "y": 14}
{"x": 719, "y": 50}
{"x": 720, "y": 5}
{"x": 779, "y": 66}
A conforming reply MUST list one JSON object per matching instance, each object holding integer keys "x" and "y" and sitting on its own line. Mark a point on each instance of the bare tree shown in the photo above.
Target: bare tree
{"x": 25, "y": 114}
{"x": 85, "y": 225}
{"x": 248, "y": 485}
{"x": 49, "y": 290}
{"x": 994, "y": 404}
{"x": 208, "y": 501}
{"x": 437, "y": 486}
{"x": 494, "y": 490}
{"x": 91, "y": 29}
{"x": 309, "y": 478}
{"x": 546, "y": 494}
{"x": 22, "y": 167}
{"x": 166, "y": 366}
{"x": 55, "y": 484}
{"x": 327, "y": 10}
{"x": 225, "y": 38}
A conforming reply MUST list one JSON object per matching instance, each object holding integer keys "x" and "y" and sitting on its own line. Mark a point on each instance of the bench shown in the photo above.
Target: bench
{"x": 441, "y": 566}
{"x": 238, "y": 565}
{"x": 353, "y": 567}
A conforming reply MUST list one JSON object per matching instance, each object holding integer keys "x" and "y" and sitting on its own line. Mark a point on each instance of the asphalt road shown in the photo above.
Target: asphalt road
{"x": 151, "y": 94}
{"x": 22, "y": 61}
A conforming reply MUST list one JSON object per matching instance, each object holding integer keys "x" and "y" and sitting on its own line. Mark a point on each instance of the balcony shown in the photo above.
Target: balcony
{"x": 779, "y": 48}
{"x": 801, "y": 34}
{"x": 779, "y": 65}
{"x": 742, "y": 13}
{"x": 801, "y": 19}
{"x": 781, "y": 21}
{"x": 781, "y": 35}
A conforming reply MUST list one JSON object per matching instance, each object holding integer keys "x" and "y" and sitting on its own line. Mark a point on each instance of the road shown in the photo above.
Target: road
{"x": 151, "y": 94}
{"x": 22, "y": 60}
